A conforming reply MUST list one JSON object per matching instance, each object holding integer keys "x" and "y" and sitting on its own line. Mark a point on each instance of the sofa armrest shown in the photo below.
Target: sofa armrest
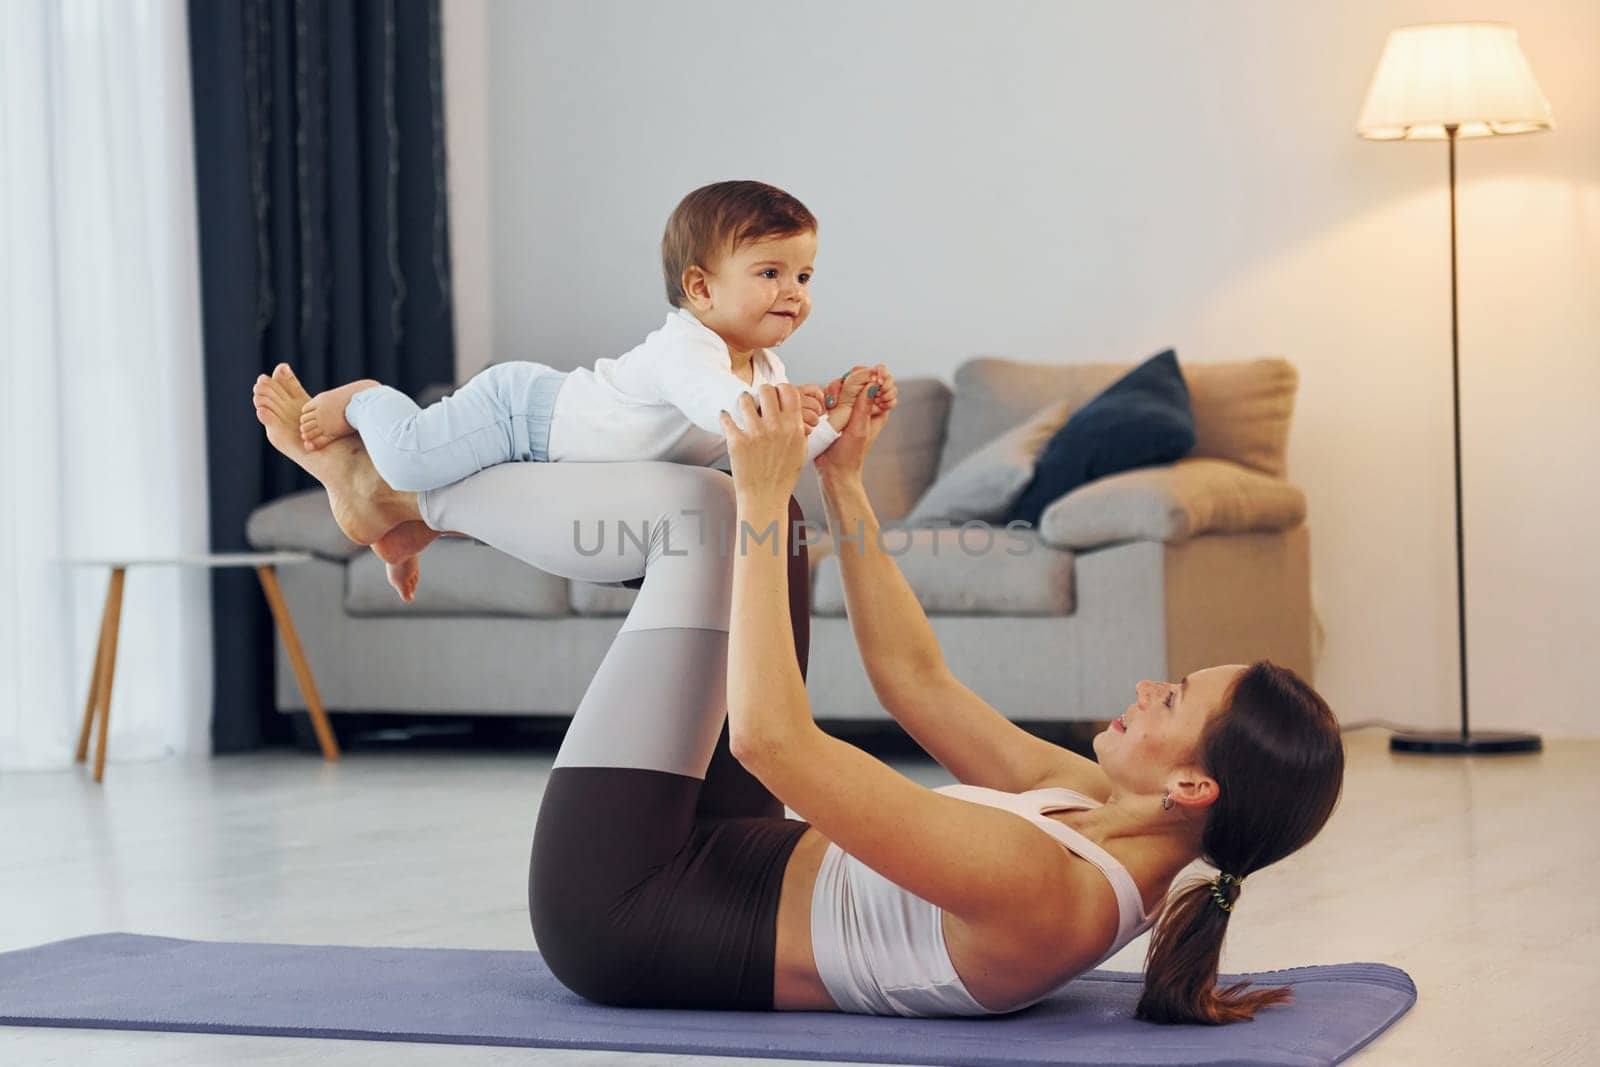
{"x": 300, "y": 521}
{"x": 1171, "y": 503}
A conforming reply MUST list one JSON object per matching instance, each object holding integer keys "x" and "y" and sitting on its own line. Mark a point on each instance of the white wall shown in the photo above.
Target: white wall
{"x": 464, "y": 28}
{"x": 1087, "y": 181}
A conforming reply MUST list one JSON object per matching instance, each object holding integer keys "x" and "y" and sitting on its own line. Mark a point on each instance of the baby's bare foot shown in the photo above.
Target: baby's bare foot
{"x": 404, "y": 541}
{"x": 403, "y": 576}
{"x": 363, "y": 504}
{"x": 322, "y": 420}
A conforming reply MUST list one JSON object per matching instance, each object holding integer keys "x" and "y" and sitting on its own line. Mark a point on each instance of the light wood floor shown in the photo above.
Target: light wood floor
{"x": 1477, "y": 876}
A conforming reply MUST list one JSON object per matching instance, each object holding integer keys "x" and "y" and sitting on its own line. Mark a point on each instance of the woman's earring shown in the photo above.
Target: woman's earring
{"x": 1166, "y": 801}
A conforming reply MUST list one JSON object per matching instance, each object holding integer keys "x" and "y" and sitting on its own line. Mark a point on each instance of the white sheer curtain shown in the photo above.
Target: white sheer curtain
{"x": 102, "y": 446}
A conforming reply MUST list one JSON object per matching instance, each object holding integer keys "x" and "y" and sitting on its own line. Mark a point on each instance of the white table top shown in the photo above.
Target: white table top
{"x": 211, "y": 559}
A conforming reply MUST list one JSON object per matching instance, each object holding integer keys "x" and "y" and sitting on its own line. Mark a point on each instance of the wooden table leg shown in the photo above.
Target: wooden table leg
{"x": 108, "y": 669}
{"x": 93, "y": 702}
{"x": 297, "y": 657}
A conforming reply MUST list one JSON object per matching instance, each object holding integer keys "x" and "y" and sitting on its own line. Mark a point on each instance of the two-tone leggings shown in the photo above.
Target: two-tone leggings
{"x": 657, "y": 859}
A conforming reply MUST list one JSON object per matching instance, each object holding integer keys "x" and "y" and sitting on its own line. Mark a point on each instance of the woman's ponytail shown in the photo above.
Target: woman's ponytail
{"x": 1180, "y": 974}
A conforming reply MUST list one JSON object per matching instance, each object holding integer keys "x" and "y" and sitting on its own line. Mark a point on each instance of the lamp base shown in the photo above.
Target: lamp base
{"x": 1452, "y": 743}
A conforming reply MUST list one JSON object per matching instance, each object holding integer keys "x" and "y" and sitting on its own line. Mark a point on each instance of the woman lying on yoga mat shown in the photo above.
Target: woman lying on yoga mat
{"x": 664, "y": 872}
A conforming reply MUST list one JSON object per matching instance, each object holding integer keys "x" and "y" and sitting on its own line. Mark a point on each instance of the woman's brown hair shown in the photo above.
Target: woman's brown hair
{"x": 715, "y": 220}
{"x": 1278, "y": 759}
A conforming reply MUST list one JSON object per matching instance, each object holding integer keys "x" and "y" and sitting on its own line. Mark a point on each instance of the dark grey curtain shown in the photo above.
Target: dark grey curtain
{"x": 319, "y": 168}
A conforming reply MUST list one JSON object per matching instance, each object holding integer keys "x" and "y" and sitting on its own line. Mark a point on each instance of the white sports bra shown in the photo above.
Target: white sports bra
{"x": 880, "y": 949}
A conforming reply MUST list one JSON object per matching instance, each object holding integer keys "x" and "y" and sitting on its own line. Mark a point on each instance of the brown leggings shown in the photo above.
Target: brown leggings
{"x": 650, "y": 889}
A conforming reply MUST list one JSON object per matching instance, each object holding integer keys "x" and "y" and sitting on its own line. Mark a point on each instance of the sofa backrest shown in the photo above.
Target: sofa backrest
{"x": 904, "y": 458}
{"x": 1241, "y": 409}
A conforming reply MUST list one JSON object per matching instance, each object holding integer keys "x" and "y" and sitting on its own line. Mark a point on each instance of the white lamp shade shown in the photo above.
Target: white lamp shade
{"x": 1468, "y": 74}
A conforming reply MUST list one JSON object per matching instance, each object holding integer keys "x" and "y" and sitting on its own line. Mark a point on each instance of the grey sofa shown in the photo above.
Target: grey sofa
{"x": 1147, "y": 574}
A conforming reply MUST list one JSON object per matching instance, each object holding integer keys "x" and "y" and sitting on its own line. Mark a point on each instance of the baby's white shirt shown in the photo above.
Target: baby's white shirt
{"x": 661, "y": 400}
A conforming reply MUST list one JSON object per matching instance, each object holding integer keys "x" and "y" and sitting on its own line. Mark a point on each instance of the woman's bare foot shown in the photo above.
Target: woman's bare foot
{"x": 363, "y": 504}
{"x": 403, "y": 576}
{"x": 404, "y": 540}
{"x": 322, "y": 420}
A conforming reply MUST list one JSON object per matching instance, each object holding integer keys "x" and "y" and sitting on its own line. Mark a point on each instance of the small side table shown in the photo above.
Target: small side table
{"x": 105, "y": 659}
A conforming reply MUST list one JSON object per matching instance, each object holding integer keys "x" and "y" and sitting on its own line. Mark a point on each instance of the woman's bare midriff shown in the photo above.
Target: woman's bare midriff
{"x": 796, "y": 985}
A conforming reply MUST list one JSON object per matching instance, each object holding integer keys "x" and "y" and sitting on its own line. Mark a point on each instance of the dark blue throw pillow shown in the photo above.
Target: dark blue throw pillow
{"x": 1143, "y": 418}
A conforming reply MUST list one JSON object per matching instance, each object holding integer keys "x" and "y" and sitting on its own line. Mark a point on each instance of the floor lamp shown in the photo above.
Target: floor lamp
{"x": 1449, "y": 82}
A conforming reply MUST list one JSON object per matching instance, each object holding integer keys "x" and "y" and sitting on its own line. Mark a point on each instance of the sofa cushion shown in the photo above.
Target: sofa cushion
{"x": 987, "y": 483}
{"x": 1242, "y": 412}
{"x": 977, "y": 570}
{"x": 459, "y": 577}
{"x": 903, "y": 459}
{"x": 1241, "y": 409}
{"x": 300, "y": 521}
{"x": 1142, "y": 418}
{"x": 1172, "y": 503}
{"x": 596, "y": 599}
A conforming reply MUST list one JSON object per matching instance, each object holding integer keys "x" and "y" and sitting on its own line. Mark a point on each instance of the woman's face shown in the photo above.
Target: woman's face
{"x": 1164, "y": 724}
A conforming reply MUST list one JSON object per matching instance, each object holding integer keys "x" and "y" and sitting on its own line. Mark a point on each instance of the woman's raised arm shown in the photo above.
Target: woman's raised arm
{"x": 963, "y": 857}
{"x": 898, "y": 648}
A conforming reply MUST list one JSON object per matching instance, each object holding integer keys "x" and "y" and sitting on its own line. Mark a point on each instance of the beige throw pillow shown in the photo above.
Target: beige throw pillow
{"x": 985, "y": 484}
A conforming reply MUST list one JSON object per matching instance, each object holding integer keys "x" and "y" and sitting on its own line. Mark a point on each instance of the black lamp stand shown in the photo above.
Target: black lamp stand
{"x": 1443, "y": 742}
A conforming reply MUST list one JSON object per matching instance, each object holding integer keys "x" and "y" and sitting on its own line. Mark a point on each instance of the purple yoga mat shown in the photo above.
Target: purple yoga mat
{"x": 478, "y": 997}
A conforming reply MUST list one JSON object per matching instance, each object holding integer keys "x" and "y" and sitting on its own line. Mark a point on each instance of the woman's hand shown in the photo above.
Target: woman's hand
{"x": 767, "y": 454}
{"x": 885, "y": 395}
{"x": 846, "y": 456}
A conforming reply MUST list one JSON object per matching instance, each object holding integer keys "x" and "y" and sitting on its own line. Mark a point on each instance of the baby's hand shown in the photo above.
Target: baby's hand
{"x": 812, "y": 401}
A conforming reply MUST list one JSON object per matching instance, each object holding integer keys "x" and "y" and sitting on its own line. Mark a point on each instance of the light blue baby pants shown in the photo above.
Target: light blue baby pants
{"x": 501, "y": 415}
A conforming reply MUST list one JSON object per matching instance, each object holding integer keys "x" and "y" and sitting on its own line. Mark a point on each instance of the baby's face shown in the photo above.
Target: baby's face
{"x": 762, "y": 293}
